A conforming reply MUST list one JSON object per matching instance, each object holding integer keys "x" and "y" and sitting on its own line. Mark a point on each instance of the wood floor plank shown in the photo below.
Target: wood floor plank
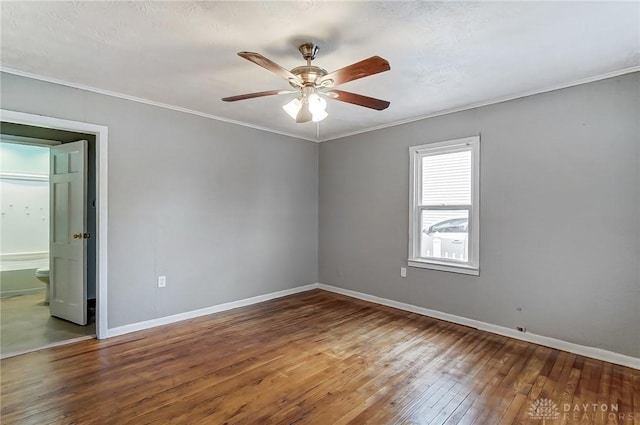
{"x": 311, "y": 358}
{"x": 636, "y": 399}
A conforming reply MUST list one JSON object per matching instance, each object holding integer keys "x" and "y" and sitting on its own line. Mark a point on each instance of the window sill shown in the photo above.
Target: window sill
{"x": 444, "y": 267}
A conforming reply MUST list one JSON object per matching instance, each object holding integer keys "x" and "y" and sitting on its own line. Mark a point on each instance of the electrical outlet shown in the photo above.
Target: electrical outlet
{"x": 521, "y": 329}
{"x": 403, "y": 272}
{"x": 162, "y": 281}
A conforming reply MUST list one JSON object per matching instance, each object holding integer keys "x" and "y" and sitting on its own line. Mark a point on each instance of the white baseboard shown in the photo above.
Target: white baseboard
{"x": 596, "y": 353}
{"x": 121, "y": 330}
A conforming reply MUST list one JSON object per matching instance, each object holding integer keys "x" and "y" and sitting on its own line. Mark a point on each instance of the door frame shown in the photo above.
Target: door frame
{"x": 101, "y": 133}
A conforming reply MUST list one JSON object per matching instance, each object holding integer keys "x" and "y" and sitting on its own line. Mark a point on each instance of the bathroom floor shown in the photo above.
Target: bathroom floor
{"x": 25, "y": 324}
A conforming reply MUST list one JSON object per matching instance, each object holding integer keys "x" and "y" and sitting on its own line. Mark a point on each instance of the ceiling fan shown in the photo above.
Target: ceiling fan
{"x": 313, "y": 83}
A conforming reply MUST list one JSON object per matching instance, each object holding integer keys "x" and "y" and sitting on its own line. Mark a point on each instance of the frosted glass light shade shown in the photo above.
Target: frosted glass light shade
{"x": 292, "y": 108}
{"x": 319, "y": 116}
{"x": 315, "y": 104}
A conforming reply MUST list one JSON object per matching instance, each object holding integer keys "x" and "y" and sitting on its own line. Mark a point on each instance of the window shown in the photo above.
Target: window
{"x": 443, "y": 222}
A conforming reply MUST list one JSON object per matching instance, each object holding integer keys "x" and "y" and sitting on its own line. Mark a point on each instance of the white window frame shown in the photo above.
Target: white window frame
{"x": 416, "y": 153}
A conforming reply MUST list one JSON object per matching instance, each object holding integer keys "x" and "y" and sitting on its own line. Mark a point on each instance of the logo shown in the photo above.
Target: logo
{"x": 544, "y": 409}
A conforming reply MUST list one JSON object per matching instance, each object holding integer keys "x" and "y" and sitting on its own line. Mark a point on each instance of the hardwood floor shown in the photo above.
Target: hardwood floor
{"x": 313, "y": 358}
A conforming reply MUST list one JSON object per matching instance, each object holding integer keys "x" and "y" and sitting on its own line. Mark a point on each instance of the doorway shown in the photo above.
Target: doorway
{"x": 27, "y": 128}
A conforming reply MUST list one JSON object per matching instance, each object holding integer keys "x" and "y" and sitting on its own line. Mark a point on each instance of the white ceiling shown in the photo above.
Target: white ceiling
{"x": 443, "y": 55}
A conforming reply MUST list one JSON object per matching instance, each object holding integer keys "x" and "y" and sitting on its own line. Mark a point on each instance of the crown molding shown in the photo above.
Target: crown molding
{"x": 497, "y": 100}
{"x": 467, "y": 107}
{"x": 19, "y": 73}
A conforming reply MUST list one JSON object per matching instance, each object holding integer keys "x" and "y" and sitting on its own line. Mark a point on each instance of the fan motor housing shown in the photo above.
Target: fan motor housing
{"x": 309, "y": 74}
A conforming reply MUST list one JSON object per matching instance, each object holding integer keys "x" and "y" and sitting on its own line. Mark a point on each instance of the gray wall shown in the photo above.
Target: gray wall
{"x": 559, "y": 215}
{"x": 226, "y": 212}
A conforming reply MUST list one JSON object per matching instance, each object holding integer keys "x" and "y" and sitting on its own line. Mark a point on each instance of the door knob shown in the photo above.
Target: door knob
{"x": 77, "y": 236}
{"x": 87, "y": 235}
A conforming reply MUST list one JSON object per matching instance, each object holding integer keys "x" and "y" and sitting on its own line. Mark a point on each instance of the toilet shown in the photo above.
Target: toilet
{"x": 43, "y": 276}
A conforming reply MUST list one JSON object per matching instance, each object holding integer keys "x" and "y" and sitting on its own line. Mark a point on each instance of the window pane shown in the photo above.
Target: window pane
{"x": 446, "y": 179}
{"x": 444, "y": 234}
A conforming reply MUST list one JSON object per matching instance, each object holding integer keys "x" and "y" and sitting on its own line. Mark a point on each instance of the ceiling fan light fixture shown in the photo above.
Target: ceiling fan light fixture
{"x": 307, "y": 108}
{"x": 311, "y": 81}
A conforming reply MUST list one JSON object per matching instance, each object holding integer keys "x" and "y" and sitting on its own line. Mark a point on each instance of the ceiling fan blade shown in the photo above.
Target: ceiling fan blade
{"x": 364, "y": 68}
{"x": 270, "y": 65}
{"x": 257, "y": 94}
{"x": 358, "y": 99}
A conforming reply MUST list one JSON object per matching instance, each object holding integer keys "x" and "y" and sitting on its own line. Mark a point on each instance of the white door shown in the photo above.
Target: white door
{"x": 67, "y": 254}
